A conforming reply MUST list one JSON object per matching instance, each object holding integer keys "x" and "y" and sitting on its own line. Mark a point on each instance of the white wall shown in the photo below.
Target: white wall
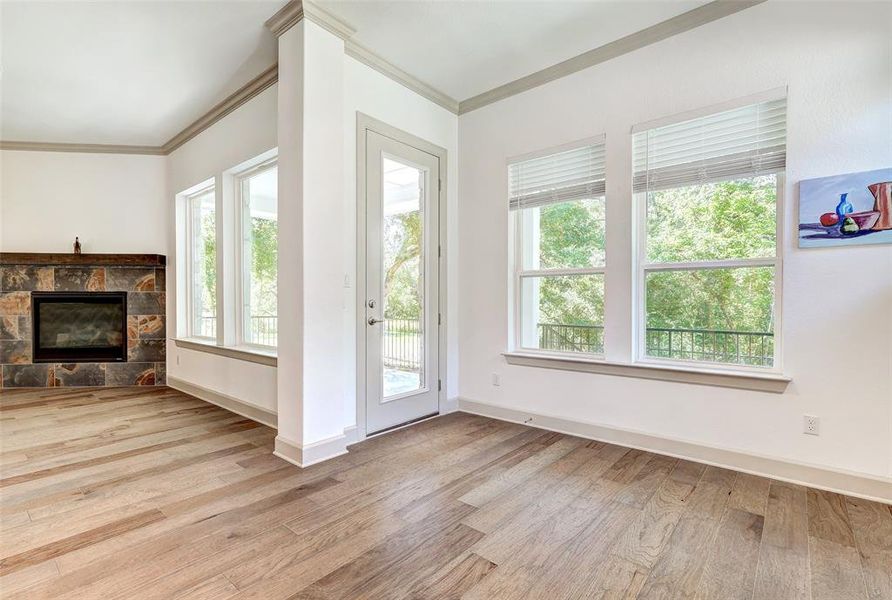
{"x": 311, "y": 381}
{"x": 325, "y": 227}
{"x": 369, "y": 92}
{"x": 242, "y": 135}
{"x": 113, "y": 202}
{"x": 836, "y": 59}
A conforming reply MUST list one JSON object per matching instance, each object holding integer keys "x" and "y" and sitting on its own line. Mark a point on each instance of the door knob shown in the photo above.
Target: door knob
{"x": 373, "y": 320}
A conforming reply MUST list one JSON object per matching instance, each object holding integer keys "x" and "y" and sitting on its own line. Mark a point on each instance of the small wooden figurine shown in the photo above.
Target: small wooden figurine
{"x": 77, "y": 245}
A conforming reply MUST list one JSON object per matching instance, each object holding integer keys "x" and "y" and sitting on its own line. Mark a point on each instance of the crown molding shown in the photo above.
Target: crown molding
{"x": 88, "y": 148}
{"x": 220, "y": 110}
{"x": 295, "y": 10}
{"x": 291, "y": 14}
{"x": 239, "y": 97}
{"x": 372, "y": 60}
{"x": 285, "y": 18}
{"x": 691, "y": 19}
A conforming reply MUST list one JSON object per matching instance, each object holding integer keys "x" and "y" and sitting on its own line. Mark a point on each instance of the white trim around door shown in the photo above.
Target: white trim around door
{"x": 364, "y": 124}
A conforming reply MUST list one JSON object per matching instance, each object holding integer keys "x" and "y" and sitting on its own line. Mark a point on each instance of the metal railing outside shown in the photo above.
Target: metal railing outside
{"x": 207, "y": 327}
{"x": 571, "y": 338}
{"x": 264, "y": 329}
{"x": 403, "y": 344}
{"x": 753, "y": 348}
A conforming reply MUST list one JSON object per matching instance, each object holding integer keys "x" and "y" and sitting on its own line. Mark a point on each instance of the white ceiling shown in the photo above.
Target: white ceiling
{"x": 125, "y": 72}
{"x": 464, "y": 48}
{"x": 138, "y": 72}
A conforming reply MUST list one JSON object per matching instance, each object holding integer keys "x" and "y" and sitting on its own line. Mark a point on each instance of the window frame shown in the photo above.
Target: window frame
{"x": 243, "y": 275}
{"x": 189, "y": 247}
{"x": 643, "y": 267}
{"x": 518, "y": 273}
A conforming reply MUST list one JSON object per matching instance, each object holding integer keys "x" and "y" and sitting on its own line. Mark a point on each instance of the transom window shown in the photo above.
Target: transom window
{"x": 707, "y": 191}
{"x": 557, "y": 199}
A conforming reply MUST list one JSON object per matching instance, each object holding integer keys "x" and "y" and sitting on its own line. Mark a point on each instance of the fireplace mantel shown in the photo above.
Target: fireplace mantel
{"x": 48, "y": 258}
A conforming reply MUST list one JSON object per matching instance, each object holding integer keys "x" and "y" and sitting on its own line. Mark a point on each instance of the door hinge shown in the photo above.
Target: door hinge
{"x": 439, "y": 185}
{"x": 439, "y": 318}
{"x": 439, "y": 251}
{"x": 439, "y": 385}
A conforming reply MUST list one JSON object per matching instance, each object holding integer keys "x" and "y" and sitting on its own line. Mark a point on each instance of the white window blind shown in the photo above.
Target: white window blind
{"x": 574, "y": 174}
{"x": 742, "y": 142}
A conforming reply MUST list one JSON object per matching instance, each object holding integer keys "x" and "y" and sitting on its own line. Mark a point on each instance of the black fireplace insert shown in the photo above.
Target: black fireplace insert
{"x": 79, "y": 326}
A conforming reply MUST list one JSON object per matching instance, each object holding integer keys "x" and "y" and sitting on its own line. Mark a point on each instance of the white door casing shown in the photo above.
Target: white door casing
{"x": 400, "y": 319}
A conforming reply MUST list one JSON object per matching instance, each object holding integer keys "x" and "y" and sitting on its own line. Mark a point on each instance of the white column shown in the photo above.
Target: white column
{"x": 290, "y": 253}
{"x": 312, "y": 236}
{"x": 325, "y": 234}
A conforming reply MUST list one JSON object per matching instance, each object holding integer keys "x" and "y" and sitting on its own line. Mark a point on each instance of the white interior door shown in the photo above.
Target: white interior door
{"x": 402, "y": 283}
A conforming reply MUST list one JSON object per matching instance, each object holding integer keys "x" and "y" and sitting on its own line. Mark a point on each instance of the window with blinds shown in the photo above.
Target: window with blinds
{"x": 557, "y": 200}
{"x": 707, "y": 191}
{"x": 562, "y": 176}
{"x": 743, "y": 142}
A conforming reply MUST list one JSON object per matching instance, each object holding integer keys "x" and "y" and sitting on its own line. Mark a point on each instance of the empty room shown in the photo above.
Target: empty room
{"x": 445, "y": 299}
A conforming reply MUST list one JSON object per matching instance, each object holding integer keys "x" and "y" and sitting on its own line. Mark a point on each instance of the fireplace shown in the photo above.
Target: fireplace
{"x": 90, "y": 348}
{"x": 74, "y": 327}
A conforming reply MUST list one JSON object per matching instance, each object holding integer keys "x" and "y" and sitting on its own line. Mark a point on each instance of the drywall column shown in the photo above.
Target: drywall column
{"x": 290, "y": 368}
{"x": 312, "y": 232}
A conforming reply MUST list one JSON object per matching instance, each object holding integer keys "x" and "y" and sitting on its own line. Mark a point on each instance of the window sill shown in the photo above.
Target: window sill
{"x": 760, "y": 382}
{"x": 254, "y": 355}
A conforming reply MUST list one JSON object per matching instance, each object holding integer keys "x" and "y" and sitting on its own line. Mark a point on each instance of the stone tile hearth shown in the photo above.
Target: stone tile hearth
{"x": 146, "y": 326}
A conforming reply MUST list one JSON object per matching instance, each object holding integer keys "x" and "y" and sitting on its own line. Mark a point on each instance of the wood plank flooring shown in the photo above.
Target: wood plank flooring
{"x": 152, "y": 494}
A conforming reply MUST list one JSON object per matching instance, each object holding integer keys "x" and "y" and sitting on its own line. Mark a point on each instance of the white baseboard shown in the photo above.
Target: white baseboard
{"x": 310, "y": 454}
{"x": 302, "y": 456}
{"x": 351, "y": 435}
{"x": 449, "y": 405}
{"x": 288, "y": 451}
{"x": 852, "y": 483}
{"x": 239, "y": 407}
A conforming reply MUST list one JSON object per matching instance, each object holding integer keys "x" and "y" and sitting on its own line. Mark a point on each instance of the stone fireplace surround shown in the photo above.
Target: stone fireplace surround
{"x": 142, "y": 276}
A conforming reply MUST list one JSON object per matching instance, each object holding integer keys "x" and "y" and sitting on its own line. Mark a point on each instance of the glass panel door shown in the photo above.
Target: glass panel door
{"x": 402, "y": 274}
{"x": 403, "y": 278}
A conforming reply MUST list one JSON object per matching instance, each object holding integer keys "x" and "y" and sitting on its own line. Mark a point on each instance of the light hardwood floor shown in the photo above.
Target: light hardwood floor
{"x": 137, "y": 494}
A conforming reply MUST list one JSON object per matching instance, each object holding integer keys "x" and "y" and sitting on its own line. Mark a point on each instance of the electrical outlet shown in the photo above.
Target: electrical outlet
{"x": 496, "y": 379}
{"x": 811, "y": 425}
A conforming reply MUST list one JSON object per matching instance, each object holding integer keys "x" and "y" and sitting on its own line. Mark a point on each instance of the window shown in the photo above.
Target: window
{"x": 227, "y": 258}
{"x": 557, "y": 200}
{"x": 201, "y": 273}
{"x": 258, "y": 255}
{"x": 707, "y": 191}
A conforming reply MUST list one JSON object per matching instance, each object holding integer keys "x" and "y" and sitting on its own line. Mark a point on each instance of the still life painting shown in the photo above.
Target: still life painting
{"x": 843, "y": 210}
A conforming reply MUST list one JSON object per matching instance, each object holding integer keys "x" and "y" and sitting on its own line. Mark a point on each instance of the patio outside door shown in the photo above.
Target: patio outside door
{"x": 402, "y": 278}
